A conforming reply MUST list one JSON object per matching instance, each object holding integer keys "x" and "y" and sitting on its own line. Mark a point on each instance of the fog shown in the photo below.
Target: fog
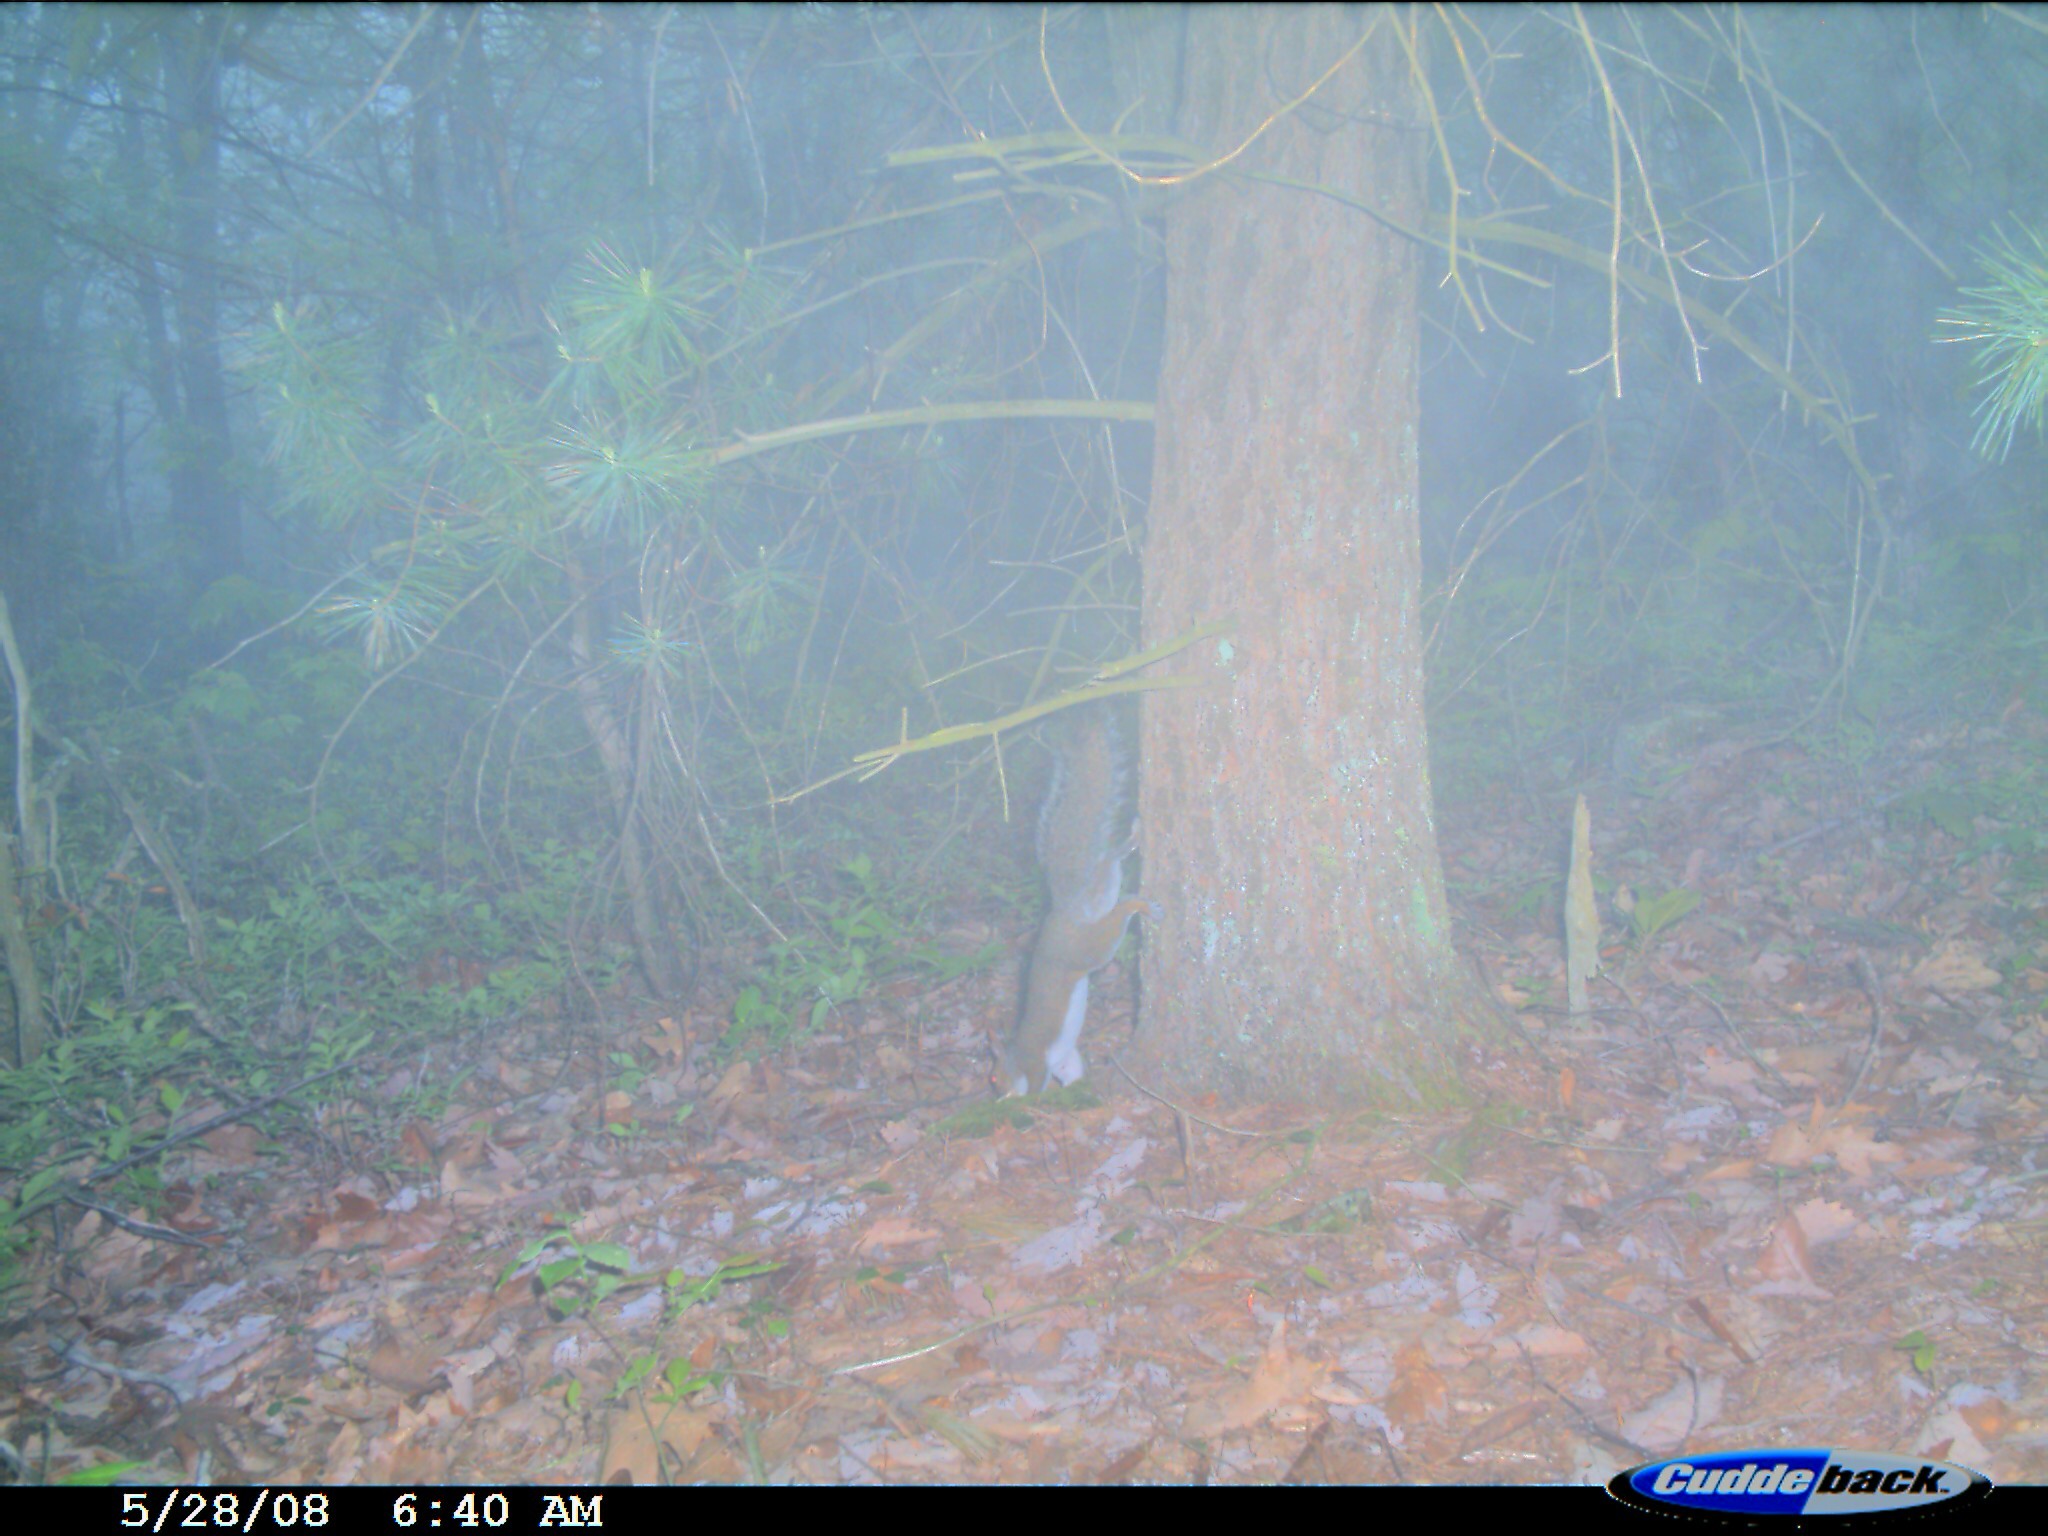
{"x": 1019, "y": 744}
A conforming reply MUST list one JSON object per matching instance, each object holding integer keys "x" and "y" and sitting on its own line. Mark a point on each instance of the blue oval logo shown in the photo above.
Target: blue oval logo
{"x": 1747, "y": 1485}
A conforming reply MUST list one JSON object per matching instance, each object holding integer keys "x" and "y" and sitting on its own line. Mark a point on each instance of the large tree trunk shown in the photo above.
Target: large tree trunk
{"x": 1288, "y": 832}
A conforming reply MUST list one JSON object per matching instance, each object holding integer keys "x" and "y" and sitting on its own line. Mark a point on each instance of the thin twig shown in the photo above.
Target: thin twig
{"x": 226, "y": 1117}
{"x": 1867, "y": 978}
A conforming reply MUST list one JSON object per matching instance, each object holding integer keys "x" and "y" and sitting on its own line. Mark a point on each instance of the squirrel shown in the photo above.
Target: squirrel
{"x": 1083, "y": 860}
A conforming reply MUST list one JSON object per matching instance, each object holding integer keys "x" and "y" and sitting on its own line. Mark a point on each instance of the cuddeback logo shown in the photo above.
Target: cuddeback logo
{"x": 1747, "y": 1485}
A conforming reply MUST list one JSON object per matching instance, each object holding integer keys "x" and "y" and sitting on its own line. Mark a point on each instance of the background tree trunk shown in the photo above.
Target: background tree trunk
{"x": 625, "y": 777}
{"x": 205, "y": 505}
{"x": 1286, "y": 805}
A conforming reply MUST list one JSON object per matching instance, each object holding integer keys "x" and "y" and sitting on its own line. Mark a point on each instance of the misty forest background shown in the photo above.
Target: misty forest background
{"x": 467, "y": 469}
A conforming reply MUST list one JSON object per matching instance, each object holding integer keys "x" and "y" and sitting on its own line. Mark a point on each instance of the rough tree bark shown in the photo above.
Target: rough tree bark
{"x": 1288, "y": 829}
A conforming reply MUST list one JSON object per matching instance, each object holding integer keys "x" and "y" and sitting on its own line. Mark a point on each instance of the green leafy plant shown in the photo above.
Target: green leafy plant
{"x": 1651, "y": 915}
{"x": 1920, "y": 1349}
{"x": 103, "y": 1476}
{"x": 678, "y": 1378}
{"x": 628, "y": 1074}
{"x": 581, "y": 1275}
{"x": 805, "y": 978}
{"x": 2007, "y": 314}
{"x": 1951, "y": 810}
{"x": 686, "y": 1291}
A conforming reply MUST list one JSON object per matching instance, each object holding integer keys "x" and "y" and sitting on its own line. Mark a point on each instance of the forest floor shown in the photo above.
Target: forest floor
{"x": 1780, "y": 1186}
